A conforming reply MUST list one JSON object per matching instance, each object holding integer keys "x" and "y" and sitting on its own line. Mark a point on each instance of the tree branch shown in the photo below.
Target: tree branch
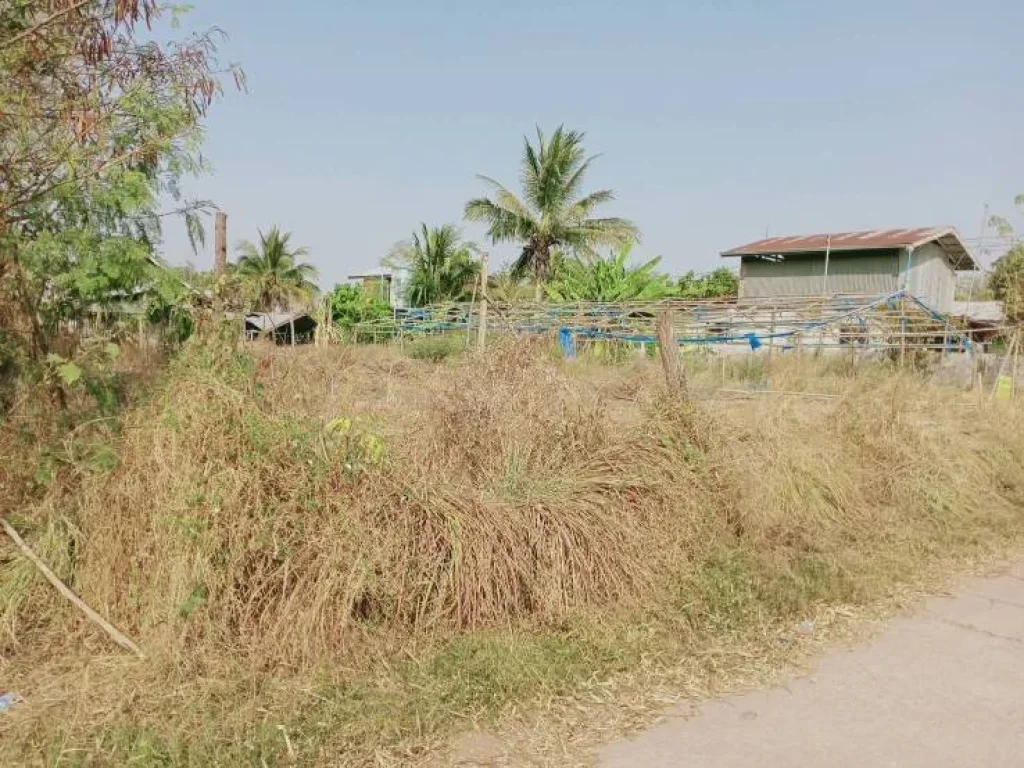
{"x": 45, "y": 23}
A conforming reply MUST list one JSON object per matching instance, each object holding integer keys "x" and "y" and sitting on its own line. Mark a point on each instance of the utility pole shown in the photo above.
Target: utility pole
{"x": 483, "y": 301}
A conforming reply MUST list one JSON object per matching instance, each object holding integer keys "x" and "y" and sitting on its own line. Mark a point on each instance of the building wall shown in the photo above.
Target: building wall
{"x": 872, "y": 273}
{"x": 928, "y": 276}
{"x": 931, "y": 277}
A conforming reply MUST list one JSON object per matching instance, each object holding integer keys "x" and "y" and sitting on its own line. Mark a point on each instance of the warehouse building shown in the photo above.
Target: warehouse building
{"x": 923, "y": 262}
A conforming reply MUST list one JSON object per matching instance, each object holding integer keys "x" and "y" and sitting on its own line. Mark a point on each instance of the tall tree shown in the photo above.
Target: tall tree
{"x": 98, "y": 124}
{"x": 553, "y": 211}
{"x": 273, "y": 272}
{"x": 1007, "y": 278}
{"x": 441, "y": 265}
{"x": 1007, "y": 282}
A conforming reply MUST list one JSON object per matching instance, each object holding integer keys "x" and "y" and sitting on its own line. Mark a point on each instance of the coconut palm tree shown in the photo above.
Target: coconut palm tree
{"x": 273, "y": 272}
{"x": 553, "y": 212}
{"x": 441, "y": 265}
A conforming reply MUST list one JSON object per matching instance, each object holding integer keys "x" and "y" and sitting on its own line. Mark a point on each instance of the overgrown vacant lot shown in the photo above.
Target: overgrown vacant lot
{"x": 347, "y": 555}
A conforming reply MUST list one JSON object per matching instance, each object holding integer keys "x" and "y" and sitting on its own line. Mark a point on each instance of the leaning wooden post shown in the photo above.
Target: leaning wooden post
{"x": 482, "y": 338}
{"x": 112, "y": 632}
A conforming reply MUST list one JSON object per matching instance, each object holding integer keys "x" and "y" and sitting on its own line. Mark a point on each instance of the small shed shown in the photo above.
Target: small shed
{"x": 922, "y": 261}
{"x": 285, "y": 328}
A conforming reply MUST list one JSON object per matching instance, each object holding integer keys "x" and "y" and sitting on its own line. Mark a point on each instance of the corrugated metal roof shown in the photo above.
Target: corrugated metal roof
{"x": 870, "y": 240}
{"x": 270, "y": 321}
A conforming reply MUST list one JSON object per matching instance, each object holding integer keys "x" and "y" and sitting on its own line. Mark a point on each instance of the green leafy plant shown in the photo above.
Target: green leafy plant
{"x": 273, "y": 271}
{"x": 1007, "y": 282}
{"x": 553, "y": 212}
{"x": 359, "y": 448}
{"x": 442, "y": 267}
{"x": 719, "y": 283}
{"x": 350, "y": 307}
{"x": 1007, "y": 278}
{"x": 100, "y": 124}
{"x": 435, "y": 348}
{"x": 609, "y": 278}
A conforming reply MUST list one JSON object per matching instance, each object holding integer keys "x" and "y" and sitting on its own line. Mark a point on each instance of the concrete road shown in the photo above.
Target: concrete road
{"x": 943, "y": 688}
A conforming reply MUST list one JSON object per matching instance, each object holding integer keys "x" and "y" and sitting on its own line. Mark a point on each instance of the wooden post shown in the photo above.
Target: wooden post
{"x": 668, "y": 347}
{"x": 903, "y": 331}
{"x": 291, "y": 328}
{"x": 1013, "y": 367}
{"x": 771, "y": 339}
{"x": 483, "y": 301}
{"x": 220, "y": 255}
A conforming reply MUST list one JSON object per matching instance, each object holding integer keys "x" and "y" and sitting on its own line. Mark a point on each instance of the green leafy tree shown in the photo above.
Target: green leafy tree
{"x": 719, "y": 283}
{"x": 274, "y": 273}
{"x": 96, "y": 126}
{"x": 553, "y": 212}
{"x": 351, "y": 307}
{"x": 1007, "y": 282}
{"x": 609, "y": 278}
{"x": 441, "y": 266}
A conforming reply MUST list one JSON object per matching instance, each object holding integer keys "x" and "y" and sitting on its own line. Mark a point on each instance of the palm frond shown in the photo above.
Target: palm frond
{"x": 552, "y": 212}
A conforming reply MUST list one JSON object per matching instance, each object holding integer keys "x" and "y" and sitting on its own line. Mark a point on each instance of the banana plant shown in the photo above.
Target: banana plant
{"x": 607, "y": 279}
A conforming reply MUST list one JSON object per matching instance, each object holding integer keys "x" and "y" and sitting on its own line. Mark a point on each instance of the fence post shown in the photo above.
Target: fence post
{"x": 483, "y": 301}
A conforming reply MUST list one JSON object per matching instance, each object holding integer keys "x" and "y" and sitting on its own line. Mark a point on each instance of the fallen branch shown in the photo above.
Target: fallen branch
{"x": 777, "y": 392}
{"x": 116, "y": 635}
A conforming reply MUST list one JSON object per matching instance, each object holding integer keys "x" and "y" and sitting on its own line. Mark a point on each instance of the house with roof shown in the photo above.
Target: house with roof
{"x": 923, "y": 262}
{"x": 283, "y": 327}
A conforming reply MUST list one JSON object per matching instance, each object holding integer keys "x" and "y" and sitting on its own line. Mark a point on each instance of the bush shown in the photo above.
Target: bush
{"x": 351, "y": 307}
{"x": 435, "y": 348}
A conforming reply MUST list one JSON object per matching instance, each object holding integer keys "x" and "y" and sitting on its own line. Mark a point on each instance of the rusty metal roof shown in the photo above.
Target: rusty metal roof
{"x": 870, "y": 240}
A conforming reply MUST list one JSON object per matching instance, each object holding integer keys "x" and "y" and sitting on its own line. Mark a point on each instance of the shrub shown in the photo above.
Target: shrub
{"x": 435, "y": 348}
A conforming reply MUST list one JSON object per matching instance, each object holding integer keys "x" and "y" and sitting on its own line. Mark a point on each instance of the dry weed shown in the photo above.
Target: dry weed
{"x": 385, "y": 547}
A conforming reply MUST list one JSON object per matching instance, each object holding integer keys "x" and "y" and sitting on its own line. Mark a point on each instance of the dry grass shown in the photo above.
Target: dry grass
{"x": 475, "y": 533}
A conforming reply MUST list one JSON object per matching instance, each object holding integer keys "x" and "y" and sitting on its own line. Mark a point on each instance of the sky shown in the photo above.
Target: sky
{"x": 715, "y": 122}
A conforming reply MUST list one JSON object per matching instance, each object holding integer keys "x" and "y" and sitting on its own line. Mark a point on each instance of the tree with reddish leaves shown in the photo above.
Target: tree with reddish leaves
{"x": 99, "y": 122}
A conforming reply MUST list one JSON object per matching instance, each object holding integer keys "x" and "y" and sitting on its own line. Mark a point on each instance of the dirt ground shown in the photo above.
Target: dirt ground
{"x": 942, "y": 688}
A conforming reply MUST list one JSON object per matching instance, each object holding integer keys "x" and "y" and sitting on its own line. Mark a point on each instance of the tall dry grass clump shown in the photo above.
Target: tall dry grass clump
{"x": 232, "y": 523}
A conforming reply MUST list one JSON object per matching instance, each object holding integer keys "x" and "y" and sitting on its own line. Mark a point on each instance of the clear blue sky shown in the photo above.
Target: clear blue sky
{"x": 716, "y": 120}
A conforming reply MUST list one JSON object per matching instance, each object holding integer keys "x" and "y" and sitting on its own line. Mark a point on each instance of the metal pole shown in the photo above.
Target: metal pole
{"x": 828, "y": 252}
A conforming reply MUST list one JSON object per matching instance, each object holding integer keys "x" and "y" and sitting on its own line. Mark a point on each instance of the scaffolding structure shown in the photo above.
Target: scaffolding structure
{"x": 897, "y": 322}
